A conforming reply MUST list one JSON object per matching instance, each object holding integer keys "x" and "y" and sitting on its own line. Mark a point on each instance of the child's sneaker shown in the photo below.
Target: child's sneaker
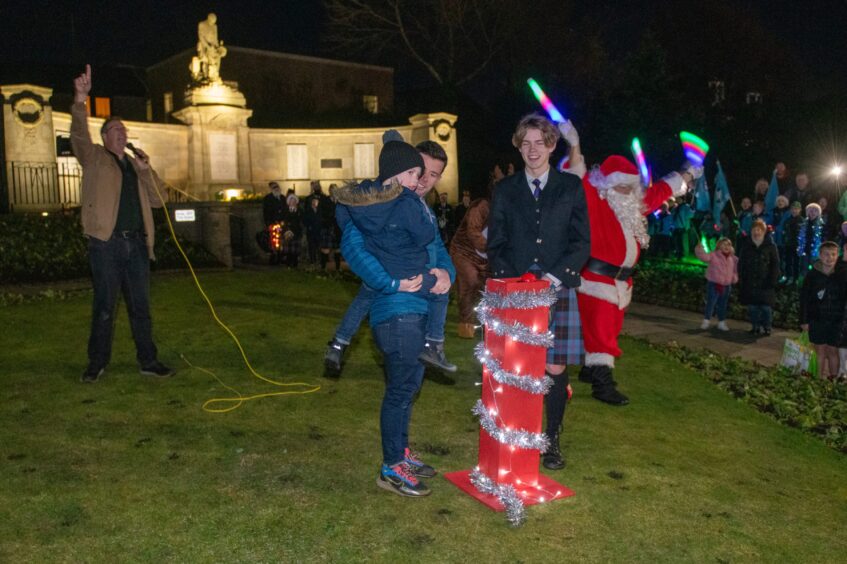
{"x": 418, "y": 467}
{"x": 433, "y": 355}
{"x": 722, "y": 326}
{"x": 333, "y": 355}
{"x": 705, "y": 324}
{"x": 400, "y": 479}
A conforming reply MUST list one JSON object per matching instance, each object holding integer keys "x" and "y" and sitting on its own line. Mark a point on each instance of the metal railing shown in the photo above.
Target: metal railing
{"x": 35, "y": 186}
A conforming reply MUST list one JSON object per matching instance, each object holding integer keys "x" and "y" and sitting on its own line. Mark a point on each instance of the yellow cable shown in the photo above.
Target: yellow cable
{"x": 240, "y": 399}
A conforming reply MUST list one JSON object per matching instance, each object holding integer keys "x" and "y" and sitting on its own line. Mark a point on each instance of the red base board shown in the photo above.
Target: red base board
{"x": 545, "y": 490}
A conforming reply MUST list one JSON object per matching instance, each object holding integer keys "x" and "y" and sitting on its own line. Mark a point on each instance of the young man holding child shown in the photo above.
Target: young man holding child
{"x": 387, "y": 236}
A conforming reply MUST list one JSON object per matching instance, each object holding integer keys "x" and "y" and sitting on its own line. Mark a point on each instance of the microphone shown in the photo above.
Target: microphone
{"x": 132, "y": 148}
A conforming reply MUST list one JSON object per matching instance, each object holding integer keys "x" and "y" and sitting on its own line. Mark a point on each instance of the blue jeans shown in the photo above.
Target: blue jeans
{"x": 361, "y": 304}
{"x": 120, "y": 265}
{"x": 401, "y": 340}
{"x": 760, "y": 316}
{"x": 716, "y": 304}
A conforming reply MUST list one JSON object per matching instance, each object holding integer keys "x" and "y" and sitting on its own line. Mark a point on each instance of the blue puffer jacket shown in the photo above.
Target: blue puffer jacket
{"x": 391, "y": 219}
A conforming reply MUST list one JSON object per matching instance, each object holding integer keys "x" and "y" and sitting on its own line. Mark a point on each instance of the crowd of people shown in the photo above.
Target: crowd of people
{"x": 795, "y": 242}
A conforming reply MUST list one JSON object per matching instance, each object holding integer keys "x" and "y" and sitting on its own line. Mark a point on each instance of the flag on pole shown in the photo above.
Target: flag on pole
{"x": 771, "y": 195}
{"x": 702, "y": 200}
{"x": 721, "y": 194}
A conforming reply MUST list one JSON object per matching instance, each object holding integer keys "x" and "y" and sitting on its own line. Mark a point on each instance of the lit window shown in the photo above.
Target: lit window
{"x": 370, "y": 103}
{"x": 298, "y": 162}
{"x": 169, "y": 102}
{"x": 102, "y": 107}
{"x": 363, "y": 160}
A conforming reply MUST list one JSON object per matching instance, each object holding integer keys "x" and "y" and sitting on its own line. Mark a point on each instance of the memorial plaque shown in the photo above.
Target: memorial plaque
{"x": 223, "y": 156}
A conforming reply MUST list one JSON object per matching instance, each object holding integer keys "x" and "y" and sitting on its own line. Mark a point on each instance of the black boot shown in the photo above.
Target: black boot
{"x": 552, "y": 458}
{"x": 555, "y": 403}
{"x": 586, "y": 374}
{"x": 604, "y": 387}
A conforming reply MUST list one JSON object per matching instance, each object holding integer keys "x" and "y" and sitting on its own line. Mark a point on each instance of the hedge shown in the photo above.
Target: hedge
{"x": 36, "y": 248}
{"x": 682, "y": 285}
{"x": 815, "y": 405}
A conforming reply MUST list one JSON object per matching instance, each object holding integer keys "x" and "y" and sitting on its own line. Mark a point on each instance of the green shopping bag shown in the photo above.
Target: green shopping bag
{"x": 813, "y": 358}
{"x": 798, "y": 355}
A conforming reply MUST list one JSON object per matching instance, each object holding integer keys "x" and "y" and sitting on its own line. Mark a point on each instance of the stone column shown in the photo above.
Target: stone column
{"x": 29, "y": 141}
{"x": 218, "y": 148}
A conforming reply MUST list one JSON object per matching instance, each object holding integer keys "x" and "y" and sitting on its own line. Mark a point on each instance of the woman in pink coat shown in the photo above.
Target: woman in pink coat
{"x": 721, "y": 274}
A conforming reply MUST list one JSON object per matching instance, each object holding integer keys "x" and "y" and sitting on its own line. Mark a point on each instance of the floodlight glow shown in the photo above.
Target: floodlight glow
{"x": 837, "y": 170}
{"x": 638, "y": 153}
{"x": 545, "y": 102}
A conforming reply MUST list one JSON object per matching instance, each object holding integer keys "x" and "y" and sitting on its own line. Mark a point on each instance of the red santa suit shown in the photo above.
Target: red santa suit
{"x": 606, "y": 284}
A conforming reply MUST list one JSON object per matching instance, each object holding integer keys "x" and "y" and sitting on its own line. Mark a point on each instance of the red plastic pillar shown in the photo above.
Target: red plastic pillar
{"x": 511, "y": 407}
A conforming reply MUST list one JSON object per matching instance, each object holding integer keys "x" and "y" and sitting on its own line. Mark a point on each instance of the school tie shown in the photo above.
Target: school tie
{"x": 537, "y": 192}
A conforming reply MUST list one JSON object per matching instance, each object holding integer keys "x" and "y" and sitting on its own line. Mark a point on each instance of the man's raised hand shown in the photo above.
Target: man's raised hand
{"x": 82, "y": 85}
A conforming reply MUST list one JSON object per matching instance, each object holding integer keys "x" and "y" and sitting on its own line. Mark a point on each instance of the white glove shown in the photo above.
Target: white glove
{"x": 695, "y": 171}
{"x": 568, "y": 132}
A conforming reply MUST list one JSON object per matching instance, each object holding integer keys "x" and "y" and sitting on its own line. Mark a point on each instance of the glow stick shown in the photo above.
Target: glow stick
{"x": 545, "y": 102}
{"x": 638, "y": 153}
{"x": 694, "y": 147}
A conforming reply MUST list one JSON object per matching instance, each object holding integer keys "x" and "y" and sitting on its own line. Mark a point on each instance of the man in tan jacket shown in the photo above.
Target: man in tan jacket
{"x": 118, "y": 192}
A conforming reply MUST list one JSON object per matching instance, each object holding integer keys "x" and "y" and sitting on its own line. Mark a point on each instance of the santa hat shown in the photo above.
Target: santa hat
{"x": 614, "y": 171}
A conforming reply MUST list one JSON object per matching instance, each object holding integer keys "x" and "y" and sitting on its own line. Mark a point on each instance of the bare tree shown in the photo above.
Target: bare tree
{"x": 453, "y": 40}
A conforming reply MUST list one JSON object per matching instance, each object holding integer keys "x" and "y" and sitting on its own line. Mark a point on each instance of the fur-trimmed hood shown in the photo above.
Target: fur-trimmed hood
{"x": 368, "y": 204}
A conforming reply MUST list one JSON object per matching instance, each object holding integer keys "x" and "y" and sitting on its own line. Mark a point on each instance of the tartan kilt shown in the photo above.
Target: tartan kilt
{"x": 328, "y": 238}
{"x": 291, "y": 247}
{"x": 565, "y": 325}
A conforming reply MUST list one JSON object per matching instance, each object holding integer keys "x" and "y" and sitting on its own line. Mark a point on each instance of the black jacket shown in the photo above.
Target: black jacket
{"x": 552, "y": 233}
{"x": 758, "y": 272}
{"x": 273, "y": 209}
{"x": 822, "y": 297}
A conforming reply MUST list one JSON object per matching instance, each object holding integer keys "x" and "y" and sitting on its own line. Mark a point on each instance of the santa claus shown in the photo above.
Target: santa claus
{"x": 617, "y": 208}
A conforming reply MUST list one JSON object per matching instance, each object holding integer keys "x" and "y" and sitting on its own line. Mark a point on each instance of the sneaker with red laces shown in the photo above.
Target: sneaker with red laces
{"x": 400, "y": 479}
{"x": 418, "y": 466}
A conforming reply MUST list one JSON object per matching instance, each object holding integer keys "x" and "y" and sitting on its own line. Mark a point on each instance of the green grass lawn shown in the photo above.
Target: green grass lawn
{"x": 132, "y": 469}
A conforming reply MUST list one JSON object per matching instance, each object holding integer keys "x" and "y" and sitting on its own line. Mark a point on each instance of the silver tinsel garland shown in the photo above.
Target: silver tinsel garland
{"x": 514, "y": 330}
{"x": 525, "y": 383}
{"x": 506, "y": 493}
{"x": 514, "y": 437}
{"x": 518, "y": 300}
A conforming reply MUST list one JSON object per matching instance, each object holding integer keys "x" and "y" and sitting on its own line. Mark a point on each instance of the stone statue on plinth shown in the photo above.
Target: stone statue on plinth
{"x": 206, "y": 66}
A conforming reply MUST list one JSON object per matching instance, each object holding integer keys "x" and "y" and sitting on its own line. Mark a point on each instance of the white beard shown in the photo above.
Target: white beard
{"x": 629, "y": 209}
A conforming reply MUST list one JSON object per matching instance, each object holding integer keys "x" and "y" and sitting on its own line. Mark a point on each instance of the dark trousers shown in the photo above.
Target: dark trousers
{"x": 716, "y": 303}
{"x": 401, "y": 340}
{"x": 120, "y": 265}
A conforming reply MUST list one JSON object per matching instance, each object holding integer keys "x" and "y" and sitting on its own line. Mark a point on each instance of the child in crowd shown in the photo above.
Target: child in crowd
{"x": 744, "y": 221}
{"x": 661, "y": 237}
{"x": 721, "y": 274}
{"x": 809, "y": 238}
{"x": 791, "y": 231}
{"x": 777, "y": 219}
{"x": 822, "y": 300}
{"x": 758, "y": 273}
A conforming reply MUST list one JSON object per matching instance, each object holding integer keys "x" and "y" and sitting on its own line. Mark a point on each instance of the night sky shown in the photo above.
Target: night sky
{"x": 143, "y": 33}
